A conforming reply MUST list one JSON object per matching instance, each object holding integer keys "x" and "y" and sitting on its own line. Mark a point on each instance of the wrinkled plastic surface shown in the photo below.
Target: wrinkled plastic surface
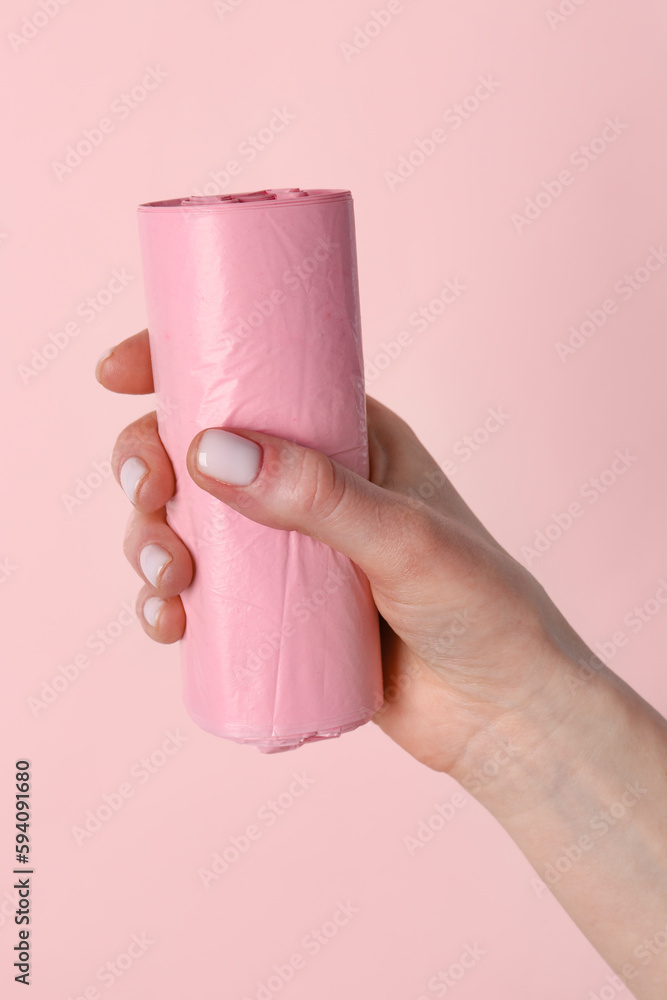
{"x": 253, "y": 320}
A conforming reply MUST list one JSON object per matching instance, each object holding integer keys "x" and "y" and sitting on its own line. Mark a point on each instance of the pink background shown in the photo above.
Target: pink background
{"x": 64, "y": 575}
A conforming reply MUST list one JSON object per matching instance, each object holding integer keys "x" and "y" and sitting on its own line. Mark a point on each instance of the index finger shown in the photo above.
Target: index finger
{"x": 127, "y": 367}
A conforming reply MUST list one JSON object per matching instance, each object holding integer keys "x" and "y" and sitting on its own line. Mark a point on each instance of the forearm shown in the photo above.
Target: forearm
{"x": 588, "y": 807}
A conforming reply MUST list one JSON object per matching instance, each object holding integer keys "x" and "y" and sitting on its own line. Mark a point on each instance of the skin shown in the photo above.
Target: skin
{"x": 484, "y": 678}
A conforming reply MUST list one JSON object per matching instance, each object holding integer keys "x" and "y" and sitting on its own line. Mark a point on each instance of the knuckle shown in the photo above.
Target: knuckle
{"x": 421, "y": 535}
{"x": 319, "y": 487}
{"x": 136, "y": 435}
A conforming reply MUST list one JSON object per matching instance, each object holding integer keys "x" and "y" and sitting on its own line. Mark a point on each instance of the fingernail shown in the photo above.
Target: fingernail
{"x": 228, "y": 457}
{"x": 153, "y": 559}
{"x": 152, "y": 608}
{"x": 101, "y": 362}
{"x": 132, "y": 472}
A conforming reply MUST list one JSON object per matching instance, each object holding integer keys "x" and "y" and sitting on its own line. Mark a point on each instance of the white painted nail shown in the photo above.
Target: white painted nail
{"x": 153, "y": 559}
{"x": 228, "y": 457}
{"x": 132, "y": 472}
{"x": 152, "y": 608}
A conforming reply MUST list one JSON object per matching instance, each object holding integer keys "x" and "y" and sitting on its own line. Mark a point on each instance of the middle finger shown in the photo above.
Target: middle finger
{"x": 141, "y": 465}
{"x": 157, "y": 553}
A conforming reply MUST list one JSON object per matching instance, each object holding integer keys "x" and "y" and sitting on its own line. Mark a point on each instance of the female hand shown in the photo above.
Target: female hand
{"x": 484, "y": 678}
{"x": 468, "y": 635}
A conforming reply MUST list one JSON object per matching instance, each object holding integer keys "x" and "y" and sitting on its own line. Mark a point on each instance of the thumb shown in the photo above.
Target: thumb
{"x": 284, "y": 485}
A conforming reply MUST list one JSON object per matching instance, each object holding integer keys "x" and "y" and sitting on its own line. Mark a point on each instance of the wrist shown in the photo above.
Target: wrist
{"x": 518, "y": 760}
{"x": 576, "y": 776}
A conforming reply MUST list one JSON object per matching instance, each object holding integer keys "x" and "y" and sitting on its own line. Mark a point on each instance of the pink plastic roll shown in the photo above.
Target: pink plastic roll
{"x": 253, "y": 320}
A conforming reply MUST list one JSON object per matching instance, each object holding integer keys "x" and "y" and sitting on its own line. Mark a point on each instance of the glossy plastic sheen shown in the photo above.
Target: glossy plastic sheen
{"x": 253, "y": 319}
